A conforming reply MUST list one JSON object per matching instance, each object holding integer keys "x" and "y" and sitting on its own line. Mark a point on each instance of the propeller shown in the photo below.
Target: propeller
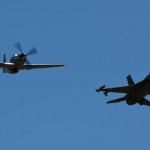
{"x": 28, "y": 62}
{"x": 30, "y": 52}
{"x": 19, "y": 47}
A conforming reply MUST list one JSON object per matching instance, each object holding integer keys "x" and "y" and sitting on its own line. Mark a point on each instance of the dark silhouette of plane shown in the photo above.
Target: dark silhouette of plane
{"x": 135, "y": 93}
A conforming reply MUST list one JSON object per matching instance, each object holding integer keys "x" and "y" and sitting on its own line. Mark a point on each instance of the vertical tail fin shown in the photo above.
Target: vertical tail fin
{"x": 4, "y": 61}
{"x": 130, "y": 80}
{"x": 4, "y": 58}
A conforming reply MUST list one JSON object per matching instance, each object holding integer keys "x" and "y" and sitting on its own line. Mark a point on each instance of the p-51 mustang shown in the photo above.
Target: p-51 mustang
{"x": 135, "y": 93}
{"x": 20, "y": 62}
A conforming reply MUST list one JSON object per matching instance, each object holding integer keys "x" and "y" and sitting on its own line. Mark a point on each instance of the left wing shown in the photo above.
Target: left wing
{"x": 7, "y": 65}
{"x": 38, "y": 66}
{"x": 123, "y": 89}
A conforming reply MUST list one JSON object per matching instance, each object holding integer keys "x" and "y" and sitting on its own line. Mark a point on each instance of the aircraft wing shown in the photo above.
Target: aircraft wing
{"x": 7, "y": 65}
{"x": 28, "y": 66}
{"x": 38, "y": 66}
{"x": 123, "y": 89}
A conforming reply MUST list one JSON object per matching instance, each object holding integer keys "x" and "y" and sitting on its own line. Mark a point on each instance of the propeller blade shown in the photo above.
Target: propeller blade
{"x": 32, "y": 51}
{"x": 19, "y": 47}
{"x": 28, "y": 62}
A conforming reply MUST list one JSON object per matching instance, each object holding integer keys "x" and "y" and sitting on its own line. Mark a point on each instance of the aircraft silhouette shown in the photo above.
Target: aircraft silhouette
{"x": 135, "y": 93}
{"x": 20, "y": 62}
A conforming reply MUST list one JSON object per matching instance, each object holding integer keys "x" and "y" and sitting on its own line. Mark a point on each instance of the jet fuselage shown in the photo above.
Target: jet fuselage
{"x": 135, "y": 93}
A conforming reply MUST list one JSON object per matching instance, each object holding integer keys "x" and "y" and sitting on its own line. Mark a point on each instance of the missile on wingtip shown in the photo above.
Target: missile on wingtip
{"x": 101, "y": 88}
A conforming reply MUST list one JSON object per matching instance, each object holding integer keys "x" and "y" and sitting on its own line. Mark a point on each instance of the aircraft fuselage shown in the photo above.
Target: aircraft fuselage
{"x": 18, "y": 60}
{"x": 136, "y": 95}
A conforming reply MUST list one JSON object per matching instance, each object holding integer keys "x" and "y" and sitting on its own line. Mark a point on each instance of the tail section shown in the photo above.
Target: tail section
{"x": 130, "y": 80}
{"x": 4, "y": 61}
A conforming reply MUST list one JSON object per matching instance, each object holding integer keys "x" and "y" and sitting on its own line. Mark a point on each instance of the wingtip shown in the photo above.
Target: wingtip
{"x": 61, "y": 65}
{"x": 97, "y": 90}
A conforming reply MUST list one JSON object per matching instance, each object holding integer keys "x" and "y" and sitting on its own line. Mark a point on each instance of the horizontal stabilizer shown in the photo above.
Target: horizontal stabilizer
{"x": 144, "y": 101}
{"x": 116, "y": 100}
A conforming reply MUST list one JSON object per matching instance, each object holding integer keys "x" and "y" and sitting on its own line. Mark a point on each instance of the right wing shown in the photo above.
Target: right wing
{"x": 38, "y": 66}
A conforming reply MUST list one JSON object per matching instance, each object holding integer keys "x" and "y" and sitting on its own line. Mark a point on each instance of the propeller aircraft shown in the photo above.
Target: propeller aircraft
{"x": 135, "y": 93}
{"x": 20, "y": 62}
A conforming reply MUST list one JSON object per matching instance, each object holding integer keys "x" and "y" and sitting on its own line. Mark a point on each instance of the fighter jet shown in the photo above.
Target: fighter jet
{"x": 135, "y": 93}
{"x": 20, "y": 62}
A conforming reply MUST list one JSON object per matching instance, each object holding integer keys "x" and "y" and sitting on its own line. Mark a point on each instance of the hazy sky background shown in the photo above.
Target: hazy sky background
{"x": 101, "y": 42}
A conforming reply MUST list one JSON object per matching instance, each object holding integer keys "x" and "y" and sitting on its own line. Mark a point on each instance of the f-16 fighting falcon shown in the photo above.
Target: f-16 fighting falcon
{"x": 20, "y": 62}
{"x": 135, "y": 93}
